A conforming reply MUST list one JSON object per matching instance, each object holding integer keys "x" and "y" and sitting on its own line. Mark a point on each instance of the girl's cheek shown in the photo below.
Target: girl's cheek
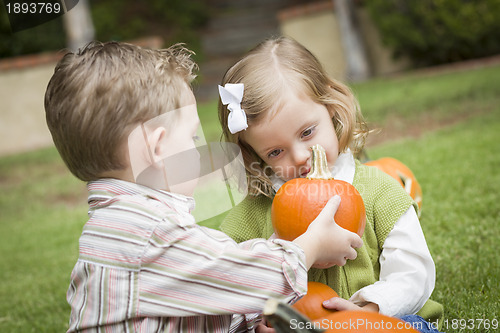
{"x": 281, "y": 171}
{"x": 332, "y": 158}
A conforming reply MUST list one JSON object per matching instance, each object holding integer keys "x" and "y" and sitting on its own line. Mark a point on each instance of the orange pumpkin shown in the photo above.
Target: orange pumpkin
{"x": 402, "y": 174}
{"x": 362, "y": 322}
{"x": 311, "y": 305}
{"x": 299, "y": 201}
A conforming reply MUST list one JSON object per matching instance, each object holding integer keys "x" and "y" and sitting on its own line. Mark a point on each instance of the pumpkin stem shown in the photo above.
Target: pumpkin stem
{"x": 319, "y": 165}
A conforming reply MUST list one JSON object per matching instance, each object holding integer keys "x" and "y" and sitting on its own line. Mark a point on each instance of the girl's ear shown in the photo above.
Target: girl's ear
{"x": 157, "y": 146}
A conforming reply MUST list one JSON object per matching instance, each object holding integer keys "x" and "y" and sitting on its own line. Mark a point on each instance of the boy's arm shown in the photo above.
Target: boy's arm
{"x": 191, "y": 270}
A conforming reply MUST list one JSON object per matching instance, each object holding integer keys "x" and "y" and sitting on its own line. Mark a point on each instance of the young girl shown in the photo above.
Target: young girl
{"x": 277, "y": 102}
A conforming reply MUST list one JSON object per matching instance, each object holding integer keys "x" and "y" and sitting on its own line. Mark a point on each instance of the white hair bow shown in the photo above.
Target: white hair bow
{"x": 231, "y": 95}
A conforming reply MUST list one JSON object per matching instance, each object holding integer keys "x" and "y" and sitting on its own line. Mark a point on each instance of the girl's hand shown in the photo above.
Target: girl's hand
{"x": 340, "y": 304}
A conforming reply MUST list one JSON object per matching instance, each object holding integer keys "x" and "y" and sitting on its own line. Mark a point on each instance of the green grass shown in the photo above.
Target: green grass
{"x": 458, "y": 169}
{"x": 442, "y": 96}
{"x": 43, "y": 207}
{"x": 209, "y": 121}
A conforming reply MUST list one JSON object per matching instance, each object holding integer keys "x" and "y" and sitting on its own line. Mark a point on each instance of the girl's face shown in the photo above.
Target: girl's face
{"x": 283, "y": 139}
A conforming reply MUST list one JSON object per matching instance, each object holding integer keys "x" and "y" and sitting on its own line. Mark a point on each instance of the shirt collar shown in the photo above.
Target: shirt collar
{"x": 102, "y": 190}
{"x": 343, "y": 169}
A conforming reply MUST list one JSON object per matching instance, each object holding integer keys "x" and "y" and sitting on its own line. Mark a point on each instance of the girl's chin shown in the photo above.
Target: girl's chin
{"x": 287, "y": 179}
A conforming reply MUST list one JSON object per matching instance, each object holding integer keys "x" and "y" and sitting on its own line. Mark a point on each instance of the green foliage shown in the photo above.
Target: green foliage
{"x": 174, "y": 20}
{"x": 438, "y": 31}
{"x": 120, "y": 20}
{"x": 48, "y": 36}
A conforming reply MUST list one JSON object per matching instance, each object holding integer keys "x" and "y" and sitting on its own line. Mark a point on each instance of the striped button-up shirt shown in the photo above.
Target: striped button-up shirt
{"x": 145, "y": 266}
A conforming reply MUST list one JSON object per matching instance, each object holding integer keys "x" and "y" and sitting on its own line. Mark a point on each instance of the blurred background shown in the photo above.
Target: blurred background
{"x": 355, "y": 40}
{"x": 426, "y": 74}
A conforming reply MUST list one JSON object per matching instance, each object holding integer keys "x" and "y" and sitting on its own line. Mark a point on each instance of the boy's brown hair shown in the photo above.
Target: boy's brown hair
{"x": 268, "y": 71}
{"x": 99, "y": 94}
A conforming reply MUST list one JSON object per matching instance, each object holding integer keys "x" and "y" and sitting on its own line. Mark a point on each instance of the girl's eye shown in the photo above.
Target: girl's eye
{"x": 308, "y": 132}
{"x": 274, "y": 153}
{"x": 196, "y": 138}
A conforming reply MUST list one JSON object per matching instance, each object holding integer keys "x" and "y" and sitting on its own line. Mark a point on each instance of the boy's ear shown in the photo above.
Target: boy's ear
{"x": 156, "y": 142}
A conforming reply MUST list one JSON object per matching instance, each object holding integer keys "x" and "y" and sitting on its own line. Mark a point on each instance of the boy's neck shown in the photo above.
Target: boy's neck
{"x": 124, "y": 174}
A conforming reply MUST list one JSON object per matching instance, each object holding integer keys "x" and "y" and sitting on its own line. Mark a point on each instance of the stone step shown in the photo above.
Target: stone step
{"x": 228, "y": 5}
{"x": 211, "y": 73}
{"x": 234, "y": 28}
{"x": 237, "y": 32}
{"x": 242, "y": 19}
{"x": 236, "y": 42}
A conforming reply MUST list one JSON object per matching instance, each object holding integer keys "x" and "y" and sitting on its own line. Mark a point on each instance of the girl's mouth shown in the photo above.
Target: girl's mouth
{"x": 304, "y": 174}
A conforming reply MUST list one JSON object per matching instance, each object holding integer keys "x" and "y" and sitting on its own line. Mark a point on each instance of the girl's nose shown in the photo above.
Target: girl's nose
{"x": 301, "y": 155}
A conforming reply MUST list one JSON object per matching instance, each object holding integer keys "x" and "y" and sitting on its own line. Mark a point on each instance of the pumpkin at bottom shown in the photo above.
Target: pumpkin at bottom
{"x": 311, "y": 305}
{"x": 362, "y": 322}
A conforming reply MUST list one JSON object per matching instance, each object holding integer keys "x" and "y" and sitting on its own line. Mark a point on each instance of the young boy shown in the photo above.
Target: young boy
{"x": 117, "y": 113}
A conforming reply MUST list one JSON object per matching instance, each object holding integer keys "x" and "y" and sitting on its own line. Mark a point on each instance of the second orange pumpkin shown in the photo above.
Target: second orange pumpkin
{"x": 402, "y": 174}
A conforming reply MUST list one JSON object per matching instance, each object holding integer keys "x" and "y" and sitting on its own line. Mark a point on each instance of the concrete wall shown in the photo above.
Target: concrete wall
{"x": 316, "y": 27}
{"x": 22, "y": 115}
{"x": 379, "y": 55}
{"x": 23, "y": 81}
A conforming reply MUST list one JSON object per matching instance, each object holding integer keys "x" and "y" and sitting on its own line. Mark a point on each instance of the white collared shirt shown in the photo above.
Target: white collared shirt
{"x": 407, "y": 271}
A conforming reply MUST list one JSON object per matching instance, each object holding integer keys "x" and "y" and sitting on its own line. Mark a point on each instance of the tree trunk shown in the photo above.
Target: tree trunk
{"x": 354, "y": 50}
{"x": 78, "y": 26}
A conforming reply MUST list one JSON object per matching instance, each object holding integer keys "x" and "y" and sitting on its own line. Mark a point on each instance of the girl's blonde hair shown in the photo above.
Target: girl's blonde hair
{"x": 97, "y": 95}
{"x": 268, "y": 71}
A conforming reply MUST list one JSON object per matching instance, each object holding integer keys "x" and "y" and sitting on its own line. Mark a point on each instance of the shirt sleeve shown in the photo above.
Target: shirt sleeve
{"x": 407, "y": 271}
{"x": 192, "y": 270}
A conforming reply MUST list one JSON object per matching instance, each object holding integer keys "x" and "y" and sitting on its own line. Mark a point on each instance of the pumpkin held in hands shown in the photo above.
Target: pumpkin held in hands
{"x": 299, "y": 201}
{"x": 311, "y": 305}
{"x": 402, "y": 174}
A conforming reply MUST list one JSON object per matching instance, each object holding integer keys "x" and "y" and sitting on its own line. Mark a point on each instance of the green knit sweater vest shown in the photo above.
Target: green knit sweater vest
{"x": 385, "y": 202}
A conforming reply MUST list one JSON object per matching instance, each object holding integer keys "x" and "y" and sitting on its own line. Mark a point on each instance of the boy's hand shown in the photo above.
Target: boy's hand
{"x": 338, "y": 243}
{"x": 263, "y": 328}
{"x": 325, "y": 242}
